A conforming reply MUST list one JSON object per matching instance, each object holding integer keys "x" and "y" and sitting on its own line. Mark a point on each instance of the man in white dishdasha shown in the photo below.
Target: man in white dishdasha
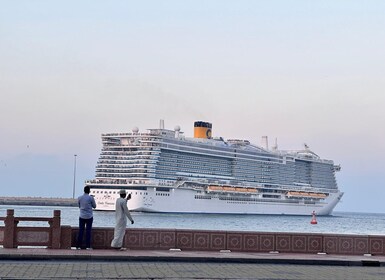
{"x": 121, "y": 215}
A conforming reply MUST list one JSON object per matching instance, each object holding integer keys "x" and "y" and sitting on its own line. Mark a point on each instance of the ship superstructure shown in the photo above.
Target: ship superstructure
{"x": 167, "y": 172}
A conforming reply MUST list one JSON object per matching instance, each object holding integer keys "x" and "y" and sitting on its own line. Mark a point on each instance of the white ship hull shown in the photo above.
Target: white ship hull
{"x": 185, "y": 201}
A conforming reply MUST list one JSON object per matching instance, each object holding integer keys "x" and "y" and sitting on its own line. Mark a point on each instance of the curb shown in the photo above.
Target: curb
{"x": 192, "y": 259}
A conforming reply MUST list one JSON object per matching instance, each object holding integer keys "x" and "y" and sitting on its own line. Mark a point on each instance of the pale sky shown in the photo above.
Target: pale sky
{"x": 300, "y": 71}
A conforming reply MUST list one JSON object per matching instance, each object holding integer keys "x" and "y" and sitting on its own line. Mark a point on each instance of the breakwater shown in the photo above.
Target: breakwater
{"x": 38, "y": 201}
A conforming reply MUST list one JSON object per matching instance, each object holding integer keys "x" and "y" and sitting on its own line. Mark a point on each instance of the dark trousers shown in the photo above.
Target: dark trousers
{"x": 85, "y": 223}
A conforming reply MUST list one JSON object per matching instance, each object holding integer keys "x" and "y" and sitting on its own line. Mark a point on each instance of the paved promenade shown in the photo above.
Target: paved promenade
{"x": 39, "y": 263}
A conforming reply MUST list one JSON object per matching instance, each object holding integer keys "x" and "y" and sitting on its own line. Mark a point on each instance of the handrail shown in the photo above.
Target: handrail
{"x": 33, "y": 219}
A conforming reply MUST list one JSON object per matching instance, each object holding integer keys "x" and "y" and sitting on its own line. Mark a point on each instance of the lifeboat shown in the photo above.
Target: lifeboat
{"x": 306, "y": 194}
{"x": 241, "y": 189}
{"x": 229, "y": 189}
{"x": 212, "y": 188}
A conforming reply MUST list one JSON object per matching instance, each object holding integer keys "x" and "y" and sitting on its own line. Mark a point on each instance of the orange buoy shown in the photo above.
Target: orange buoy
{"x": 313, "y": 219}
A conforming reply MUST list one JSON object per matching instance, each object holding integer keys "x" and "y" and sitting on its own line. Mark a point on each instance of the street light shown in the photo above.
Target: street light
{"x": 73, "y": 190}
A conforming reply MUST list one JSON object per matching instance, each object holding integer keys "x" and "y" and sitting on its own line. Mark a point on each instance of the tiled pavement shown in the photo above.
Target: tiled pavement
{"x": 36, "y": 263}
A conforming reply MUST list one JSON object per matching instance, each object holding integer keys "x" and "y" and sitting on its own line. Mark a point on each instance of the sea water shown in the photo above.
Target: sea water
{"x": 339, "y": 222}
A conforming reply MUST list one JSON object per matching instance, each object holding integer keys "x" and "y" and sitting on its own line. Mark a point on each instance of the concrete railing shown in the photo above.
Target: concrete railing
{"x": 12, "y": 235}
{"x": 240, "y": 241}
{"x": 64, "y": 237}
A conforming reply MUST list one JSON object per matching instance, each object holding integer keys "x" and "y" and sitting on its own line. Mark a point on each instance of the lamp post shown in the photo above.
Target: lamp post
{"x": 73, "y": 190}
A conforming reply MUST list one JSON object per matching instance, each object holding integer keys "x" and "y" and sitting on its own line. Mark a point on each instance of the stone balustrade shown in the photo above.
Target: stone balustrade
{"x": 65, "y": 237}
{"x": 12, "y": 235}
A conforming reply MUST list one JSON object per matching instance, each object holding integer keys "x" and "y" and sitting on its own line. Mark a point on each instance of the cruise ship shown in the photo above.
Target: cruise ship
{"x": 166, "y": 172}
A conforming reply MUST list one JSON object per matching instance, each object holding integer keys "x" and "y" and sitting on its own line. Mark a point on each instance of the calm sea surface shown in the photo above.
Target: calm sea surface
{"x": 339, "y": 222}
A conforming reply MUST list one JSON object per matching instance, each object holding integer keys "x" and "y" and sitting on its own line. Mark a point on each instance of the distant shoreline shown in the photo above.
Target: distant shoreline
{"x": 38, "y": 201}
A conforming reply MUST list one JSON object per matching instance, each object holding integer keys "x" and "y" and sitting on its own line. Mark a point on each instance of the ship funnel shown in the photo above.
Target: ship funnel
{"x": 265, "y": 142}
{"x": 202, "y": 129}
{"x": 161, "y": 124}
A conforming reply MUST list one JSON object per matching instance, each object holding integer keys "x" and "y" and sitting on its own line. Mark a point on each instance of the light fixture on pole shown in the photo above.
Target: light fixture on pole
{"x": 73, "y": 190}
